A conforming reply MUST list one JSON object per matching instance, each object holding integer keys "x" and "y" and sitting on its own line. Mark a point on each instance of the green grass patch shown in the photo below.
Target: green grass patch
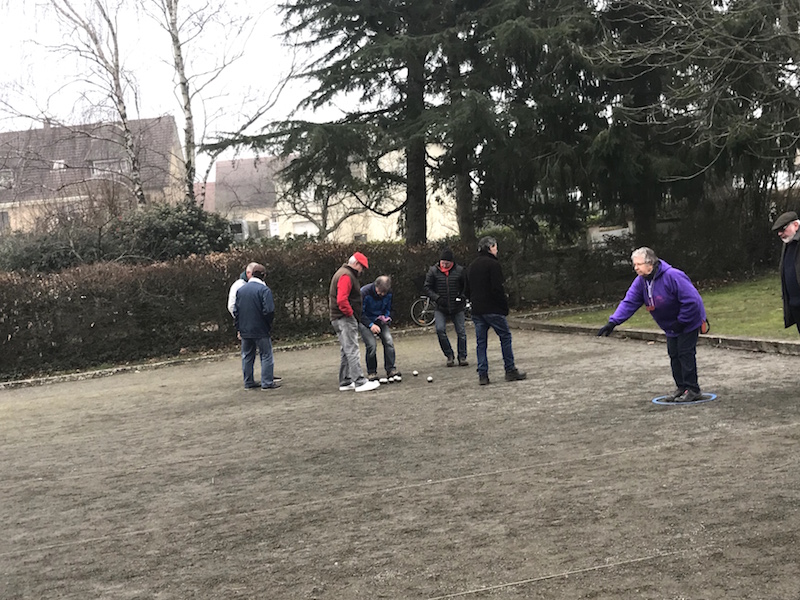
{"x": 748, "y": 309}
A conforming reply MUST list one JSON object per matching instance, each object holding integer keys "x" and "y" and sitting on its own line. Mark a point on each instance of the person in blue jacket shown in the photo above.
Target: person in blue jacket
{"x": 253, "y": 313}
{"x": 376, "y": 315}
{"x": 676, "y": 306}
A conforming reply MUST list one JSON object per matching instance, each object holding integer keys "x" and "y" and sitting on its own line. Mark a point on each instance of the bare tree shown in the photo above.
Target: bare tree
{"x": 326, "y": 208}
{"x": 189, "y": 27}
{"x": 95, "y": 39}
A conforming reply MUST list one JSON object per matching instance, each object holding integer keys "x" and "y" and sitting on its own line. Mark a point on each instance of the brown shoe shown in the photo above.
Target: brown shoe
{"x": 451, "y": 362}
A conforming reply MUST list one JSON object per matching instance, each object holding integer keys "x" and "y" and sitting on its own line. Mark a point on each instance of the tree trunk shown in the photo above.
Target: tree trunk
{"x": 189, "y": 144}
{"x": 416, "y": 201}
{"x": 416, "y": 206}
{"x": 464, "y": 212}
{"x": 645, "y": 210}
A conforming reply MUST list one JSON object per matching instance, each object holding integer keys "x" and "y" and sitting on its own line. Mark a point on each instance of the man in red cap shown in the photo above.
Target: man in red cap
{"x": 344, "y": 299}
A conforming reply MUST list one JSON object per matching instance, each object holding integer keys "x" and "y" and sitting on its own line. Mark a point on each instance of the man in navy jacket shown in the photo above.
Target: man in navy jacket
{"x": 376, "y": 314}
{"x": 254, "y": 312}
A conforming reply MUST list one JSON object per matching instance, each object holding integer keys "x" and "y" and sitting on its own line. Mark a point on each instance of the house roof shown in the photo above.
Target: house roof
{"x": 47, "y": 162}
{"x": 245, "y": 183}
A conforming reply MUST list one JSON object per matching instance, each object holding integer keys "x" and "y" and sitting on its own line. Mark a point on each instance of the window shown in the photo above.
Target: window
{"x": 59, "y": 164}
{"x": 360, "y": 237}
{"x": 109, "y": 167}
{"x": 6, "y": 178}
{"x": 5, "y": 222}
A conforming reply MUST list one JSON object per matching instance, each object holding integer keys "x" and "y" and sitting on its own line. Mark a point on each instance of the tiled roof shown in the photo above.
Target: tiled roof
{"x": 245, "y": 183}
{"x": 45, "y": 163}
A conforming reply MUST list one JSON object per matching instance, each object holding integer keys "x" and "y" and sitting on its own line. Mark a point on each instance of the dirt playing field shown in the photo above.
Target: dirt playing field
{"x": 176, "y": 483}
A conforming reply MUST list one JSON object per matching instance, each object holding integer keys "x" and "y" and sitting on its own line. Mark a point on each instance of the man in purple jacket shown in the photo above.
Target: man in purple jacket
{"x": 676, "y": 306}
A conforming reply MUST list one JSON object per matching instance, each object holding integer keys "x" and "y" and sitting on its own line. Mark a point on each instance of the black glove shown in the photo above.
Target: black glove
{"x": 441, "y": 302}
{"x": 606, "y": 329}
{"x": 677, "y": 327}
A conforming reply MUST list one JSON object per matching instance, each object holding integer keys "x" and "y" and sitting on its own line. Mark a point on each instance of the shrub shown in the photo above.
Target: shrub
{"x": 156, "y": 233}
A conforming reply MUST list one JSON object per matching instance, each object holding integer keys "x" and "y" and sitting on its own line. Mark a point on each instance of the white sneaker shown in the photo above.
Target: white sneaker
{"x": 348, "y": 387}
{"x": 367, "y": 386}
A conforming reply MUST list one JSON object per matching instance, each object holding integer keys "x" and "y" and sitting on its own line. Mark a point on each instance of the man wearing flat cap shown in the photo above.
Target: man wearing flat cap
{"x": 344, "y": 300}
{"x": 787, "y": 226}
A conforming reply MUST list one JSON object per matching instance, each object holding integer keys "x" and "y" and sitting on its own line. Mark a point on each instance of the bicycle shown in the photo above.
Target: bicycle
{"x": 422, "y": 310}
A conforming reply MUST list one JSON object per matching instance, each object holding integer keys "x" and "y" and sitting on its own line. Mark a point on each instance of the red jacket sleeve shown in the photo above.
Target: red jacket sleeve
{"x": 343, "y": 287}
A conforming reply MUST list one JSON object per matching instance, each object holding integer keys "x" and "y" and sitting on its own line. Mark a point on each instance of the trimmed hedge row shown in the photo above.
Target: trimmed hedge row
{"x": 111, "y": 313}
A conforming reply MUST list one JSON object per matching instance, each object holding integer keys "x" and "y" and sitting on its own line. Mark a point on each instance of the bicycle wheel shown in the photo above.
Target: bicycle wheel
{"x": 422, "y": 312}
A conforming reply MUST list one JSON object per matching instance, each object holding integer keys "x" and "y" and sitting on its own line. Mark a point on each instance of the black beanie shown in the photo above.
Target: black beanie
{"x": 447, "y": 254}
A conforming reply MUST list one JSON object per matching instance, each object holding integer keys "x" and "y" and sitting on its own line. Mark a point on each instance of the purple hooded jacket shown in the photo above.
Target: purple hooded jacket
{"x": 672, "y": 300}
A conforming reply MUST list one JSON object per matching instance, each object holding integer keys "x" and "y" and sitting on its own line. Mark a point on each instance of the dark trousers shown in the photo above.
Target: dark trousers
{"x": 682, "y": 352}
{"x": 795, "y": 310}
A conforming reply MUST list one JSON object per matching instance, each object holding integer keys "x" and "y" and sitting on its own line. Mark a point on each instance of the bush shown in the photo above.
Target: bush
{"x": 156, "y": 233}
{"x": 163, "y": 232}
{"x": 113, "y": 313}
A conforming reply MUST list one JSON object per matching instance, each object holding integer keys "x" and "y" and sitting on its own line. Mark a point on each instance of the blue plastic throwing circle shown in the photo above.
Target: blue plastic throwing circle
{"x": 704, "y": 398}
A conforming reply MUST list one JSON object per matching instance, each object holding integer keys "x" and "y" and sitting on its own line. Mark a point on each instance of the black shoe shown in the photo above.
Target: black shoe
{"x": 462, "y": 362}
{"x": 275, "y": 385}
{"x": 277, "y": 379}
{"x": 451, "y": 362}
{"x": 483, "y": 380}
{"x": 515, "y": 375}
{"x": 689, "y": 396}
{"x": 674, "y": 395}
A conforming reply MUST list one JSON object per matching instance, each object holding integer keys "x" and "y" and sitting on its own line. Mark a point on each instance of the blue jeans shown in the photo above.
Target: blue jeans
{"x": 264, "y": 346}
{"x": 371, "y": 345}
{"x": 682, "y": 352}
{"x": 440, "y": 320}
{"x": 346, "y": 329}
{"x": 500, "y": 326}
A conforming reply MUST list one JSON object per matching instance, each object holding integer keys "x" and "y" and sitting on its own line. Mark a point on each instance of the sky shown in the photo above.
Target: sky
{"x": 37, "y": 79}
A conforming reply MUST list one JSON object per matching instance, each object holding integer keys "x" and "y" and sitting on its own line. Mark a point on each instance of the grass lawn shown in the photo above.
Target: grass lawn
{"x": 749, "y": 309}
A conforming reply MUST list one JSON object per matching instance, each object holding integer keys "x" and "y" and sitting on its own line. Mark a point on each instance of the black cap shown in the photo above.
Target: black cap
{"x": 783, "y": 220}
{"x": 447, "y": 254}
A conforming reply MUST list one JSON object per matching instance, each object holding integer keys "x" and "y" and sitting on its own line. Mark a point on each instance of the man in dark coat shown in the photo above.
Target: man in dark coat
{"x": 446, "y": 284}
{"x": 253, "y": 312}
{"x": 489, "y": 309}
{"x": 787, "y": 226}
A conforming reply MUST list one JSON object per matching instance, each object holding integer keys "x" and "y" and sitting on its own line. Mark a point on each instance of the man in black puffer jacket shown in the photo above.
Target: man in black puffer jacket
{"x": 446, "y": 284}
{"x": 489, "y": 309}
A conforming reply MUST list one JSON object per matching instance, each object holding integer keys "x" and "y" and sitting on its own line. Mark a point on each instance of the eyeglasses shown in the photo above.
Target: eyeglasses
{"x": 782, "y": 229}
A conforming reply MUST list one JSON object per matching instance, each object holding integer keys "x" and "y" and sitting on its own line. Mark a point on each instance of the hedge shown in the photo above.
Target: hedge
{"x": 108, "y": 313}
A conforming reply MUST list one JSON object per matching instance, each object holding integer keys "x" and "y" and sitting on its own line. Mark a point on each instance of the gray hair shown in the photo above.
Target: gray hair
{"x": 647, "y": 255}
{"x": 486, "y": 242}
{"x": 383, "y": 283}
